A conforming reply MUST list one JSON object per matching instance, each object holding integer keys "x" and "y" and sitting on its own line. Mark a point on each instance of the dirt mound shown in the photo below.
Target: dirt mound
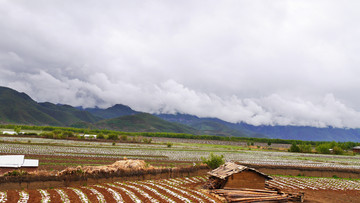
{"x": 118, "y": 165}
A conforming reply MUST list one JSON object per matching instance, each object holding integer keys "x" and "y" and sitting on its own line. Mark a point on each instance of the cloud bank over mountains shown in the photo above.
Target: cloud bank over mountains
{"x": 260, "y": 62}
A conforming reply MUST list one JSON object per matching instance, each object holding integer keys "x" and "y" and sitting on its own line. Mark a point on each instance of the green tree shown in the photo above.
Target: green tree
{"x": 124, "y": 138}
{"x": 305, "y": 148}
{"x": 338, "y": 150}
{"x": 112, "y": 137}
{"x": 100, "y": 136}
{"x": 294, "y": 148}
{"x": 17, "y": 130}
{"x": 323, "y": 148}
{"x": 213, "y": 161}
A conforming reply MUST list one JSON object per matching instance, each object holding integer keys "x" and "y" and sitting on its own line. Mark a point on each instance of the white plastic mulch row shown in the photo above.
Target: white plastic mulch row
{"x": 315, "y": 183}
{"x": 165, "y": 190}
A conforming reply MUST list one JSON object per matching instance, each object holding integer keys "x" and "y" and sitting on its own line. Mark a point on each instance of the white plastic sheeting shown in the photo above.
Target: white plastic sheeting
{"x": 17, "y": 161}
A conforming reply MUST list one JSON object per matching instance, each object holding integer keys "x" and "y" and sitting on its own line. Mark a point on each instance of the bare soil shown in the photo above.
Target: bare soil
{"x": 58, "y": 163}
{"x": 331, "y": 196}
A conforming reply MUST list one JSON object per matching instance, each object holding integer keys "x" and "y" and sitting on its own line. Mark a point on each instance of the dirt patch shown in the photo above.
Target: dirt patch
{"x": 91, "y": 196}
{"x": 73, "y": 197}
{"x": 58, "y": 163}
{"x": 306, "y": 170}
{"x": 54, "y": 196}
{"x": 13, "y": 196}
{"x": 107, "y": 195}
{"x": 113, "y": 168}
{"x": 34, "y": 196}
{"x": 331, "y": 196}
{"x": 151, "y": 193}
{"x": 139, "y": 195}
{"x": 164, "y": 192}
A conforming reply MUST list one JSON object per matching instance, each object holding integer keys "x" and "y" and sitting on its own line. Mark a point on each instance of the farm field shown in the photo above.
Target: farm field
{"x": 55, "y": 155}
{"x": 186, "y": 189}
{"x": 58, "y": 154}
{"x": 320, "y": 190}
{"x": 165, "y": 190}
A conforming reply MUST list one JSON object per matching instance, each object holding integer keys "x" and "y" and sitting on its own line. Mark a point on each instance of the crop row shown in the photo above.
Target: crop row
{"x": 158, "y": 152}
{"x": 300, "y": 183}
{"x": 165, "y": 190}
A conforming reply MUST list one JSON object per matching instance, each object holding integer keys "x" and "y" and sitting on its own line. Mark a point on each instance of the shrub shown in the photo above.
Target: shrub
{"x": 100, "y": 136}
{"x": 323, "y": 149}
{"x": 213, "y": 161}
{"x": 147, "y": 141}
{"x": 305, "y": 148}
{"x": 124, "y": 138}
{"x": 17, "y": 130}
{"x": 47, "y": 135}
{"x": 294, "y": 148}
{"x": 16, "y": 173}
{"x": 113, "y": 137}
{"x": 67, "y": 134}
{"x": 169, "y": 144}
{"x": 338, "y": 150}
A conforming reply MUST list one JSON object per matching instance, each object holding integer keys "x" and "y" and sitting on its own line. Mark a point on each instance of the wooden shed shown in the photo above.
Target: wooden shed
{"x": 234, "y": 176}
{"x": 356, "y": 149}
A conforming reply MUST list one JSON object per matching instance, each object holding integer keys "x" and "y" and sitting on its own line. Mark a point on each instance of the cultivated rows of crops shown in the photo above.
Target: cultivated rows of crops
{"x": 300, "y": 183}
{"x": 165, "y": 190}
{"x": 175, "y": 153}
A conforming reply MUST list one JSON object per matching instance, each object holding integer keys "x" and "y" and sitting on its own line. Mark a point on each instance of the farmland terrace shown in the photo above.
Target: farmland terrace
{"x": 55, "y": 155}
{"x": 58, "y": 154}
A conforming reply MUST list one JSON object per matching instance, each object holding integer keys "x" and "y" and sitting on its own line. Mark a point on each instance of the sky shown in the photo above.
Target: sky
{"x": 263, "y": 62}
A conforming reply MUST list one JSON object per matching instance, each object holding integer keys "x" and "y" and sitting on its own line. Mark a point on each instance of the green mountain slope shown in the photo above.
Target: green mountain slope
{"x": 19, "y": 108}
{"x": 112, "y": 112}
{"x": 209, "y": 126}
{"x": 143, "y": 122}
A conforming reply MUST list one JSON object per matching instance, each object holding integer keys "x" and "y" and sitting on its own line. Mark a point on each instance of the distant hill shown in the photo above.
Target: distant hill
{"x": 112, "y": 112}
{"x": 303, "y": 132}
{"x": 19, "y": 108}
{"x": 143, "y": 122}
{"x": 219, "y": 127}
{"x": 209, "y": 126}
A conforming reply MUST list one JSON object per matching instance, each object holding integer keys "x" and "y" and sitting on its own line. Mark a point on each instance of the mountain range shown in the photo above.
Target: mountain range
{"x": 19, "y": 108}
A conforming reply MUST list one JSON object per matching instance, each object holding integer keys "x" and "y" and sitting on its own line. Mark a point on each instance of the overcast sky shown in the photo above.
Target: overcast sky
{"x": 261, "y": 62}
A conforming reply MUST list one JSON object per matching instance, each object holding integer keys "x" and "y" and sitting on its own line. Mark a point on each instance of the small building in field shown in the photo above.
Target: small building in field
{"x": 356, "y": 149}
{"x": 9, "y": 133}
{"x": 89, "y": 136}
{"x": 13, "y": 162}
{"x": 234, "y": 176}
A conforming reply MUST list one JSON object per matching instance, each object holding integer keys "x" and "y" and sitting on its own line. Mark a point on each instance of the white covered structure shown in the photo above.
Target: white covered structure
{"x": 89, "y": 136}
{"x": 17, "y": 161}
{"x": 9, "y": 133}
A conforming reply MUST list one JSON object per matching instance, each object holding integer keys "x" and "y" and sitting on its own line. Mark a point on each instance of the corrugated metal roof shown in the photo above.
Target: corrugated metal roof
{"x": 357, "y": 147}
{"x": 17, "y": 161}
{"x": 230, "y": 168}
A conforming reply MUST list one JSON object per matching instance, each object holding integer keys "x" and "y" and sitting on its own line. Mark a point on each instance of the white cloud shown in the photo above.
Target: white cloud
{"x": 261, "y": 62}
